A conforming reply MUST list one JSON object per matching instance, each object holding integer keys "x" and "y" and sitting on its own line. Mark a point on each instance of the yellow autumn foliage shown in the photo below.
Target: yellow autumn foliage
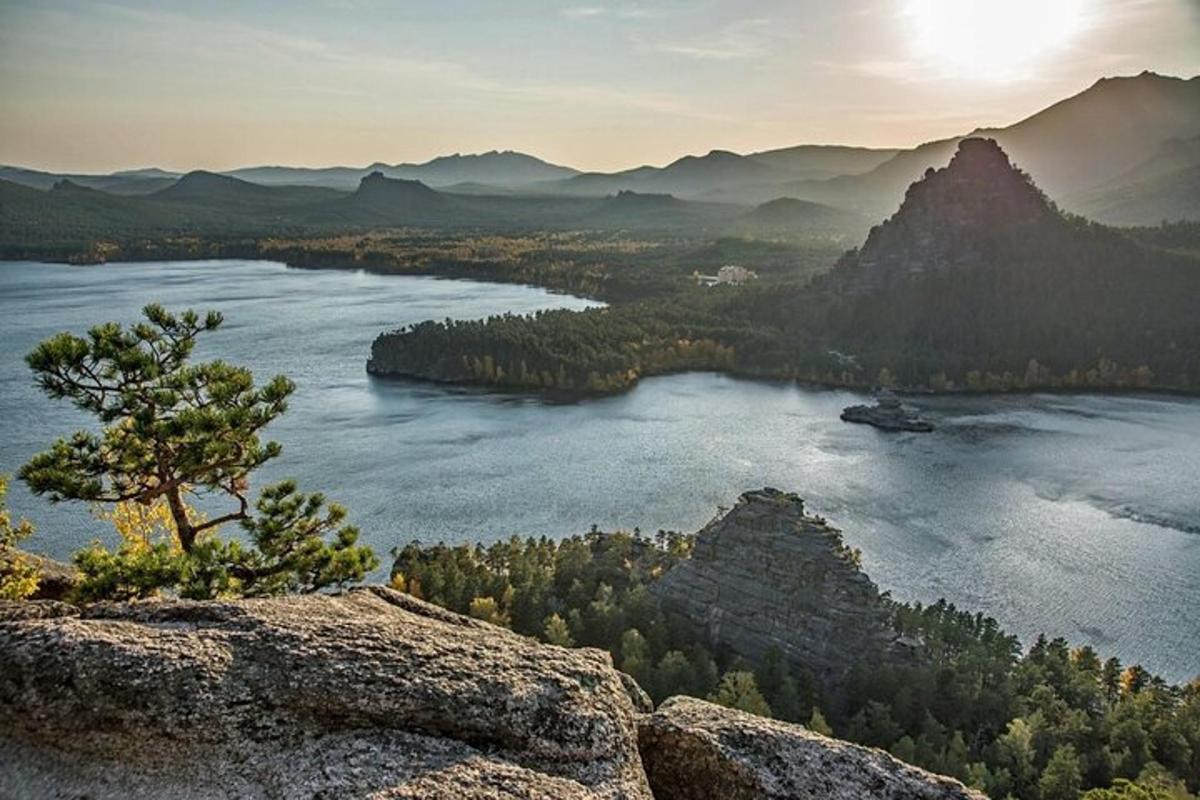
{"x": 19, "y": 573}
{"x": 143, "y": 525}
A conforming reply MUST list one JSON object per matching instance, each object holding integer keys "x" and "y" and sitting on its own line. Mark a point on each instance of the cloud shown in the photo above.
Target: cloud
{"x": 341, "y": 66}
{"x": 743, "y": 40}
{"x": 627, "y": 11}
{"x": 583, "y": 12}
{"x": 896, "y": 69}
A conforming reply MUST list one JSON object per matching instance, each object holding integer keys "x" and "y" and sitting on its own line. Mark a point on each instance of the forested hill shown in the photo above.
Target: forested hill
{"x": 978, "y": 282}
{"x": 978, "y": 271}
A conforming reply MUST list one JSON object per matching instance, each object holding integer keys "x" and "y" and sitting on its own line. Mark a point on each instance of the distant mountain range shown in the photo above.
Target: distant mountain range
{"x": 71, "y": 218}
{"x": 500, "y": 169}
{"x": 1124, "y": 151}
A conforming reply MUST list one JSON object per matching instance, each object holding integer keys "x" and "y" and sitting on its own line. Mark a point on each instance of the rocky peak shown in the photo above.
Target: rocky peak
{"x": 767, "y": 574}
{"x": 953, "y": 218}
{"x": 377, "y": 184}
{"x": 979, "y": 188}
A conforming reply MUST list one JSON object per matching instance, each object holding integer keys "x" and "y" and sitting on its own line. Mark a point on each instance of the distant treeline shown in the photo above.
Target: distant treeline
{"x": 1074, "y": 307}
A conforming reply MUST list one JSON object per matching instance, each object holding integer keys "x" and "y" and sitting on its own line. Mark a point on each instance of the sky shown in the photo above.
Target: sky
{"x": 96, "y": 86}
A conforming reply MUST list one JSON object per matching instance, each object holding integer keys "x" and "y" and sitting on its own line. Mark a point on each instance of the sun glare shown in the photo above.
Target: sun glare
{"x": 992, "y": 39}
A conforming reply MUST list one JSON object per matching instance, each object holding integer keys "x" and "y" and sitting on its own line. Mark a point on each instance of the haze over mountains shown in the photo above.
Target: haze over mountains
{"x": 1124, "y": 151}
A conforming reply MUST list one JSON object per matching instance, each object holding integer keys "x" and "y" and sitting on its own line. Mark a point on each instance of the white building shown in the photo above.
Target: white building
{"x": 735, "y": 275}
{"x": 730, "y": 274}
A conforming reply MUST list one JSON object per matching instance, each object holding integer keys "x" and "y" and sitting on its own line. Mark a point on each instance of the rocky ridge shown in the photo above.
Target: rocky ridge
{"x": 767, "y": 574}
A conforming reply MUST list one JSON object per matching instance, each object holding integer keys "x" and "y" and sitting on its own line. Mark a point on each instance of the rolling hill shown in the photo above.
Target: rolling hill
{"x": 216, "y": 191}
{"x": 1164, "y": 187}
{"x": 505, "y": 169}
{"x": 787, "y": 217}
{"x": 816, "y": 161}
{"x": 128, "y": 182}
{"x": 690, "y": 175}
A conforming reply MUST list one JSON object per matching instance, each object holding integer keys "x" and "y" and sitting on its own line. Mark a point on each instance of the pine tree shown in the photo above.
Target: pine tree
{"x": 739, "y": 690}
{"x": 1061, "y": 780}
{"x": 173, "y": 428}
{"x": 817, "y": 723}
{"x": 557, "y": 632}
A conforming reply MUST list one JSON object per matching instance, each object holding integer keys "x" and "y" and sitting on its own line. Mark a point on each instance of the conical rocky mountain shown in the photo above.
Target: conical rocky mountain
{"x": 955, "y": 218}
{"x": 979, "y": 272}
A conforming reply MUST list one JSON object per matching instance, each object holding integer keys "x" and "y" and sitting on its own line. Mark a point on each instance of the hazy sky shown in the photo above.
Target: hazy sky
{"x": 96, "y": 86}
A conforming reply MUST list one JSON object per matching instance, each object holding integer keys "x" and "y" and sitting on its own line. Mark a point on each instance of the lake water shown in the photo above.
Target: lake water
{"x": 1074, "y": 515}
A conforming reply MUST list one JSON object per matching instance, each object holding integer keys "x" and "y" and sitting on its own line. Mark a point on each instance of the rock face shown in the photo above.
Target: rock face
{"x": 367, "y": 694}
{"x": 695, "y": 750}
{"x": 767, "y": 574}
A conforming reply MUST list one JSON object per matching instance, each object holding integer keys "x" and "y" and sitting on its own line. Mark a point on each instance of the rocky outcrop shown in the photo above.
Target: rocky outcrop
{"x": 695, "y": 750}
{"x": 888, "y": 414}
{"x": 373, "y": 694}
{"x": 367, "y": 694}
{"x": 769, "y": 575}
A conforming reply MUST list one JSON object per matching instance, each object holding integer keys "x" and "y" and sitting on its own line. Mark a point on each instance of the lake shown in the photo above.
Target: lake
{"x": 1072, "y": 515}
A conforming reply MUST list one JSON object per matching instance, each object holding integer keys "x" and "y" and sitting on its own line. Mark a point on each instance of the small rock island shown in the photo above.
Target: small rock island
{"x": 888, "y": 414}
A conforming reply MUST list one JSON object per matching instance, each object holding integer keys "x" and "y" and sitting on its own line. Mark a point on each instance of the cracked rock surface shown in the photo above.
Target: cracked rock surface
{"x": 370, "y": 693}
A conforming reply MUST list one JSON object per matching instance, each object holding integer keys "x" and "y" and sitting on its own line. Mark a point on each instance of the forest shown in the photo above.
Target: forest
{"x": 1049, "y": 723}
{"x": 1067, "y": 305}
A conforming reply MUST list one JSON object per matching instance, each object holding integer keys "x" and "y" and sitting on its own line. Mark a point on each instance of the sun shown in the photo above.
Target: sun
{"x": 997, "y": 40}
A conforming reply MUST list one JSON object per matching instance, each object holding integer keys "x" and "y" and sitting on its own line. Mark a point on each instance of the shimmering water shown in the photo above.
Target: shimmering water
{"x": 1073, "y": 515}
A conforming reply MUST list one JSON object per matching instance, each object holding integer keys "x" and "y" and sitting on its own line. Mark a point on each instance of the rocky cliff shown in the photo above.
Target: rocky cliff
{"x": 372, "y": 694}
{"x": 767, "y": 574}
{"x": 695, "y": 750}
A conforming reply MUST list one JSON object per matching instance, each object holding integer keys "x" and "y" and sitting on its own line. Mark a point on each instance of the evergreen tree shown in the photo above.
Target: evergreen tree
{"x": 739, "y": 690}
{"x": 557, "y": 632}
{"x": 817, "y": 723}
{"x": 1061, "y": 779}
{"x": 173, "y": 428}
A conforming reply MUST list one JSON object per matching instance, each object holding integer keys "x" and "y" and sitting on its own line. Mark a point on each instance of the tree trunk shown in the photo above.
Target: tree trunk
{"x": 183, "y": 525}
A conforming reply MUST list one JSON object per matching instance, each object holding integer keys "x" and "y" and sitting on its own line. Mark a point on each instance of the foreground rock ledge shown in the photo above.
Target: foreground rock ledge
{"x": 367, "y": 694}
{"x": 693, "y": 750}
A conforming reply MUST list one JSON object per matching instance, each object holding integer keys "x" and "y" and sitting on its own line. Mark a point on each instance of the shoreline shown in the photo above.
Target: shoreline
{"x": 578, "y": 396}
